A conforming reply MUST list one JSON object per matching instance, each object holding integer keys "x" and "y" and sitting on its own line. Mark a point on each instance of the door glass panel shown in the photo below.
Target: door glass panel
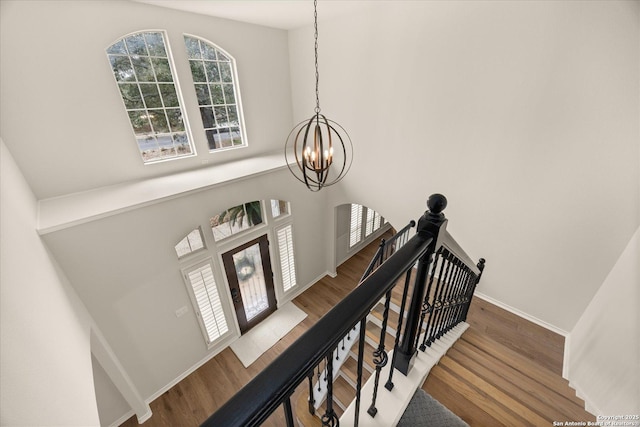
{"x": 253, "y": 289}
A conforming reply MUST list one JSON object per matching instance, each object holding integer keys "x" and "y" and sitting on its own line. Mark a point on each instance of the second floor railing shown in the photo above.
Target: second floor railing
{"x": 437, "y": 280}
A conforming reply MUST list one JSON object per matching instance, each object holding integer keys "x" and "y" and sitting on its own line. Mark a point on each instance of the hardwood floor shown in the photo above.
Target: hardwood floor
{"x": 503, "y": 371}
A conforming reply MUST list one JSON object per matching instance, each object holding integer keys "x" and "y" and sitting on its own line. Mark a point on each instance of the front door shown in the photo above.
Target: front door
{"x": 250, "y": 278}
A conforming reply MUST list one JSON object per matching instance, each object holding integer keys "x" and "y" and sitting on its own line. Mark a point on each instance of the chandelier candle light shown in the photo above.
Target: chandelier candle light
{"x": 322, "y": 148}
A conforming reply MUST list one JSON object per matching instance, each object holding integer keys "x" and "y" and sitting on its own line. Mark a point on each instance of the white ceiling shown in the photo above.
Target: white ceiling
{"x": 283, "y": 14}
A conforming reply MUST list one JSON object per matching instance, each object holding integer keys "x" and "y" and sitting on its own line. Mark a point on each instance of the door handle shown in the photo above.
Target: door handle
{"x": 235, "y": 295}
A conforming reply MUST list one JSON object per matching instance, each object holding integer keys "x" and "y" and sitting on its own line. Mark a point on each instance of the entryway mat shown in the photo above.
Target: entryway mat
{"x": 264, "y": 335}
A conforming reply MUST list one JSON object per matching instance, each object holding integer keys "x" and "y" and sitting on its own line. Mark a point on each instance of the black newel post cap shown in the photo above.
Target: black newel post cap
{"x": 433, "y": 219}
{"x": 436, "y": 203}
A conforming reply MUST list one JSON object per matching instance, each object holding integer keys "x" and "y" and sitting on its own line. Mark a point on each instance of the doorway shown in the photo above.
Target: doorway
{"x": 250, "y": 277}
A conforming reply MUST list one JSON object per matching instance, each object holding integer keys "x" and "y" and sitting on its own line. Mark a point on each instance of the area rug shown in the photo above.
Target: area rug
{"x": 264, "y": 335}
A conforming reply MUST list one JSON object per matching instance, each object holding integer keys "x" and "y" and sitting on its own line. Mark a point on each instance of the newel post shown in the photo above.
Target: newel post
{"x": 431, "y": 224}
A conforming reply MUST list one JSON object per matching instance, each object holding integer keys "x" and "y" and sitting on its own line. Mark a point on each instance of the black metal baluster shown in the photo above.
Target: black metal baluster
{"x": 464, "y": 294}
{"x": 443, "y": 298}
{"x": 363, "y": 329}
{"x": 380, "y": 356}
{"x": 480, "y": 266}
{"x": 426, "y": 306}
{"x": 428, "y": 333}
{"x": 447, "y": 298}
{"x": 329, "y": 419}
{"x": 288, "y": 413}
{"x": 462, "y": 290}
{"x": 429, "y": 298}
{"x": 312, "y": 409}
{"x": 437, "y": 306}
{"x": 405, "y": 292}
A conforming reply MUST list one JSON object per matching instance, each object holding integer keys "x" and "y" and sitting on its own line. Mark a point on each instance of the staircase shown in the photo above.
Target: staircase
{"x": 344, "y": 385}
{"x": 487, "y": 383}
{"x": 437, "y": 281}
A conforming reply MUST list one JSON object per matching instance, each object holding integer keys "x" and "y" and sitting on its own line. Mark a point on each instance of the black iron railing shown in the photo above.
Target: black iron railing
{"x": 430, "y": 267}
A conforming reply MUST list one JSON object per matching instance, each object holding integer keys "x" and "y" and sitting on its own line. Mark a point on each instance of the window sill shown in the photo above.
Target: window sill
{"x": 62, "y": 212}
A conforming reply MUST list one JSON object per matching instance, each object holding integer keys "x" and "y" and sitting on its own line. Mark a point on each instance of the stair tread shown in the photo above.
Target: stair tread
{"x": 486, "y": 388}
{"x": 368, "y": 354}
{"x": 522, "y": 364}
{"x": 350, "y": 370}
{"x": 533, "y": 394}
{"x": 468, "y": 392}
{"x": 343, "y": 391}
{"x": 393, "y": 316}
{"x": 373, "y": 332}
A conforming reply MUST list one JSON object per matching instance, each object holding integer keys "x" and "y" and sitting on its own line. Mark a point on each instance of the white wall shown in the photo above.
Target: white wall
{"x": 45, "y": 355}
{"x": 524, "y": 114}
{"x": 63, "y": 119}
{"x": 125, "y": 269}
{"x": 61, "y": 112}
{"x": 604, "y": 354}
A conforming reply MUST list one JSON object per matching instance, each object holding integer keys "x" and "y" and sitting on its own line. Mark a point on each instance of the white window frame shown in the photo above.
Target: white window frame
{"x": 236, "y": 94}
{"x": 162, "y": 110}
{"x": 192, "y": 251}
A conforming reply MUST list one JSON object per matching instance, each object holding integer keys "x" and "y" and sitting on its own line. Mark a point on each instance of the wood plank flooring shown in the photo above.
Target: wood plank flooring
{"x": 503, "y": 371}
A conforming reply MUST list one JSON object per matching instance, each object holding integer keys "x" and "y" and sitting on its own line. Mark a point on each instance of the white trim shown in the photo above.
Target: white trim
{"x": 59, "y": 213}
{"x": 144, "y": 417}
{"x": 565, "y": 357}
{"x": 522, "y": 314}
{"x": 122, "y": 419}
{"x": 588, "y": 404}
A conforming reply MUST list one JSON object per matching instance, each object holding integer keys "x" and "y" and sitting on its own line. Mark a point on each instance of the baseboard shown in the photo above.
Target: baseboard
{"x": 565, "y": 357}
{"x": 122, "y": 419}
{"x": 522, "y": 314}
{"x": 588, "y": 404}
{"x": 144, "y": 417}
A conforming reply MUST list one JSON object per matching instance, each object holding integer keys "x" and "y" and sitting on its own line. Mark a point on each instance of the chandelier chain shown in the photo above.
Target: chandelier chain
{"x": 315, "y": 35}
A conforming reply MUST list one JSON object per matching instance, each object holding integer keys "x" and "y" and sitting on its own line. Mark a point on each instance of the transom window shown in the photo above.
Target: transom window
{"x": 279, "y": 208}
{"x": 236, "y": 219}
{"x": 145, "y": 78}
{"x": 192, "y": 242}
{"x": 214, "y": 78}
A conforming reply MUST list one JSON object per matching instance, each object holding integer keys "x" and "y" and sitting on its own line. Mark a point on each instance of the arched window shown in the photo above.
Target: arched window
{"x": 215, "y": 81}
{"x": 143, "y": 71}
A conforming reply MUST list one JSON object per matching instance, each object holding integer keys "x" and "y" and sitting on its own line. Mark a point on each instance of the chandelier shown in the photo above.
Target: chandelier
{"x": 322, "y": 149}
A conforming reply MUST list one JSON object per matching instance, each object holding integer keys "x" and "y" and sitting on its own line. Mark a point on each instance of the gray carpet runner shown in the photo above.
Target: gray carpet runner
{"x": 424, "y": 410}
